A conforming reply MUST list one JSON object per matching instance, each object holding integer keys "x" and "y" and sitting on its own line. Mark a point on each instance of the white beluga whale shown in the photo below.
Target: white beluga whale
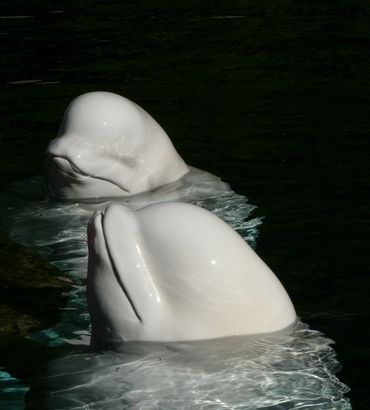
{"x": 175, "y": 272}
{"x": 108, "y": 146}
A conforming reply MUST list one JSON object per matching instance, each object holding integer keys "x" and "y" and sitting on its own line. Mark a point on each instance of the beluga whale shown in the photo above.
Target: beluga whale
{"x": 172, "y": 272}
{"x": 108, "y": 147}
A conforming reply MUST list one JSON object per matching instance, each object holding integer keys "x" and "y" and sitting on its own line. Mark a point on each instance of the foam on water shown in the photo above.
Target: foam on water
{"x": 295, "y": 370}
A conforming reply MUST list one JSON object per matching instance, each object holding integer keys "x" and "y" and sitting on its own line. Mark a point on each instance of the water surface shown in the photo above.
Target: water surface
{"x": 273, "y": 97}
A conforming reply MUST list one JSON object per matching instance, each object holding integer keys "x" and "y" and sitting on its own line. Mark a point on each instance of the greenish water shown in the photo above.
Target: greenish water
{"x": 273, "y": 97}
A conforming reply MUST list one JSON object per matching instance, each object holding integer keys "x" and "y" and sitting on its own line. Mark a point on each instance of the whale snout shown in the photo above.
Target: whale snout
{"x": 106, "y": 227}
{"x": 60, "y": 173}
{"x": 65, "y": 166}
{"x": 67, "y": 179}
{"x": 94, "y": 230}
{"x": 109, "y": 289}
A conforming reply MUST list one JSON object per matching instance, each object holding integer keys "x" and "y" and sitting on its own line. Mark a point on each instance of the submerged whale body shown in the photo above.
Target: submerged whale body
{"x": 175, "y": 272}
{"x": 108, "y": 146}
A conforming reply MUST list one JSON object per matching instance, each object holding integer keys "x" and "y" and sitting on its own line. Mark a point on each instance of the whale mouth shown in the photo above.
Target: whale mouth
{"x": 114, "y": 269}
{"x": 62, "y": 172}
{"x": 67, "y": 167}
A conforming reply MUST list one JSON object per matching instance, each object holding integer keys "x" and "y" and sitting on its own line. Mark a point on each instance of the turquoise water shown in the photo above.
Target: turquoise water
{"x": 271, "y": 96}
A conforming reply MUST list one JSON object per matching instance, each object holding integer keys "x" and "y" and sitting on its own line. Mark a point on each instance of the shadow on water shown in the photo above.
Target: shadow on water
{"x": 271, "y": 96}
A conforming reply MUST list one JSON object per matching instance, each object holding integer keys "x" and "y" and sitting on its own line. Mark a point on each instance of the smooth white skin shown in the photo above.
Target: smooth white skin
{"x": 108, "y": 146}
{"x": 176, "y": 272}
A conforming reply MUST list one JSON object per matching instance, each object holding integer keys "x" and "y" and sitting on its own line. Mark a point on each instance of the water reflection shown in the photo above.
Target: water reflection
{"x": 282, "y": 371}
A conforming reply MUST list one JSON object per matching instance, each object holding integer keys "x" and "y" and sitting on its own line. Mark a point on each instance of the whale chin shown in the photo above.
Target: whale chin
{"x": 174, "y": 272}
{"x": 65, "y": 181}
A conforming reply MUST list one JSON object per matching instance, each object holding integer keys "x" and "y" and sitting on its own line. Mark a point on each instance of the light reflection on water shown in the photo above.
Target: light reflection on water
{"x": 295, "y": 370}
{"x": 267, "y": 372}
{"x": 12, "y": 392}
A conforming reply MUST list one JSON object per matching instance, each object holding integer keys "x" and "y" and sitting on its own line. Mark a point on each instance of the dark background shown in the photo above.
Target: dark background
{"x": 273, "y": 99}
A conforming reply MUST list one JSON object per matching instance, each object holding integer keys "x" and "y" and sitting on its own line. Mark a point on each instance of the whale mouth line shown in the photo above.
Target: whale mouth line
{"x": 77, "y": 172}
{"x": 74, "y": 168}
{"x": 117, "y": 275}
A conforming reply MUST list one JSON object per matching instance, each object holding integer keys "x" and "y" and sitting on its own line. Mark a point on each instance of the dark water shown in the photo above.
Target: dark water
{"x": 272, "y": 96}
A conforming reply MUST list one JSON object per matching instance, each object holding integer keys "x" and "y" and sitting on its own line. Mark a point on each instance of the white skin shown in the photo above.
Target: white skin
{"x": 176, "y": 272}
{"x": 108, "y": 146}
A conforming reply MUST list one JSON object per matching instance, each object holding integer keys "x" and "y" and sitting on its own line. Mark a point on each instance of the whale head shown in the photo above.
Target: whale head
{"x": 108, "y": 146}
{"x": 175, "y": 272}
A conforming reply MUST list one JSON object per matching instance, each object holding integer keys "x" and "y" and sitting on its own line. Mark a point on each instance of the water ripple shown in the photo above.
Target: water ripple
{"x": 287, "y": 371}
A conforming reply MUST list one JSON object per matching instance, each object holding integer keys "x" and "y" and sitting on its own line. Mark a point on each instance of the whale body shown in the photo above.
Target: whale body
{"x": 108, "y": 146}
{"x": 176, "y": 272}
